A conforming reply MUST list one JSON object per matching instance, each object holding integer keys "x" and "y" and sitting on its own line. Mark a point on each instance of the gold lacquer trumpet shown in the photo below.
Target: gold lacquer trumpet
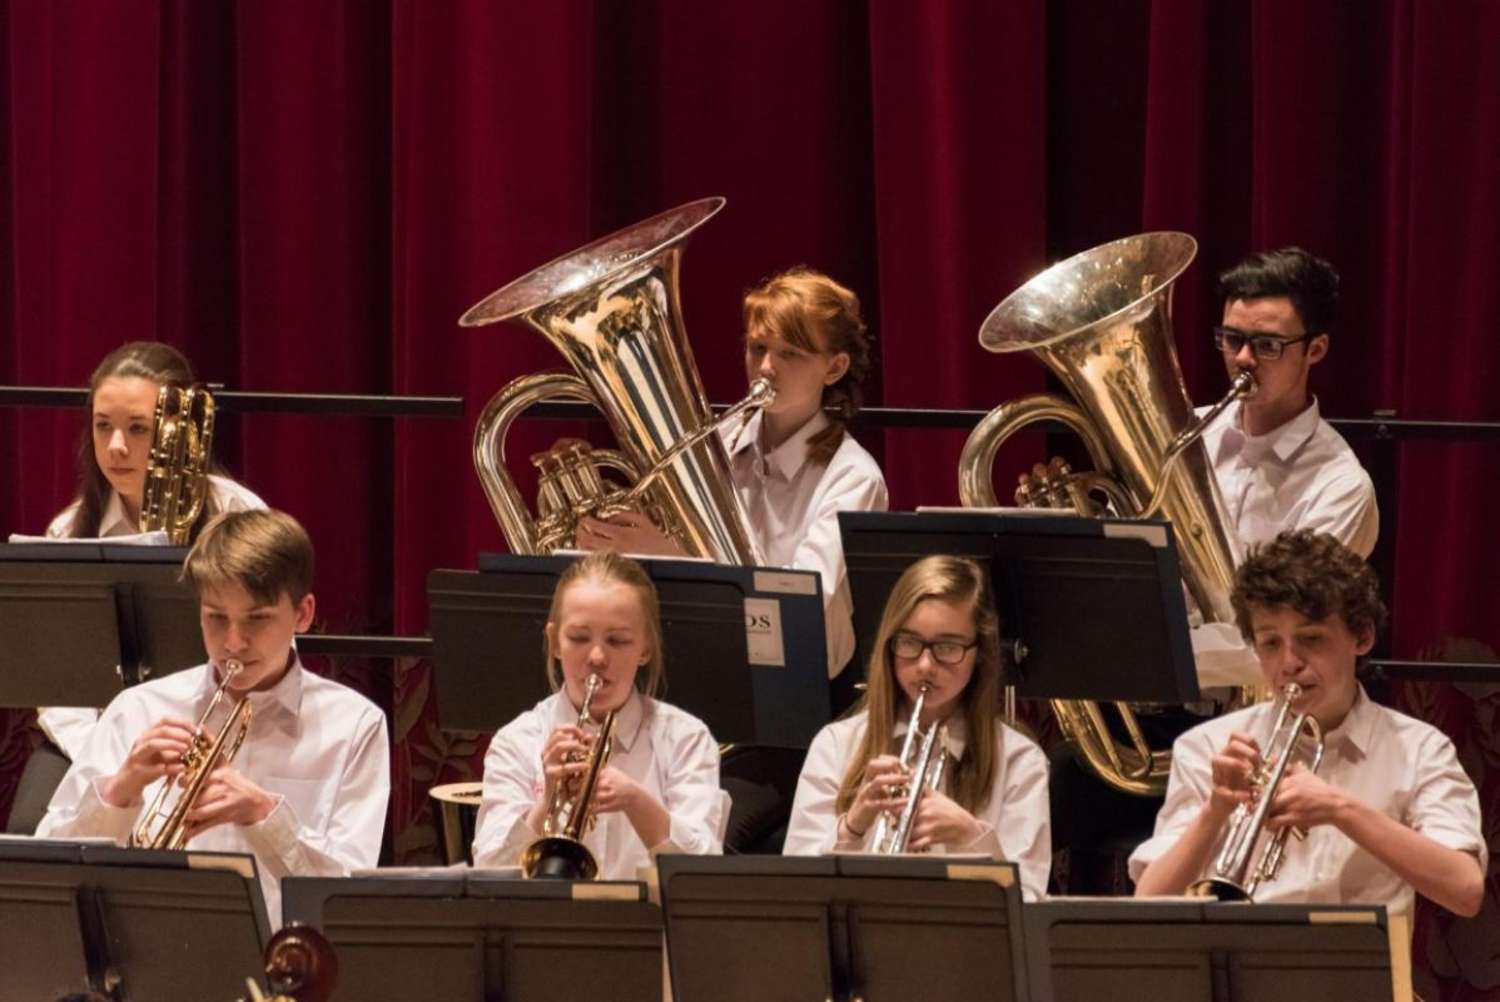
{"x": 926, "y": 764}
{"x": 164, "y": 825}
{"x": 560, "y": 852}
{"x": 1238, "y": 872}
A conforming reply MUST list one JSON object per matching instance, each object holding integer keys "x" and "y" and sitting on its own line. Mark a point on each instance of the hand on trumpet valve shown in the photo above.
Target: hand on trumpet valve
{"x": 158, "y": 752}
{"x": 565, "y": 755}
{"x": 614, "y": 791}
{"x": 1303, "y": 800}
{"x": 228, "y": 798}
{"x": 941, "y": 821}
{"x": 882, "y": 791}
{"x": 1235, "y": 772}
{"x": 624, "y": 532}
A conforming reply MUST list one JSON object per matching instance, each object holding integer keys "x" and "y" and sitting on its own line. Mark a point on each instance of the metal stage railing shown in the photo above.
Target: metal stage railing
{"x": 1382, "y": 432}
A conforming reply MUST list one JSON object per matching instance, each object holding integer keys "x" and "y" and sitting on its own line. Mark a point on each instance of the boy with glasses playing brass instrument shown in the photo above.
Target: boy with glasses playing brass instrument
{"x": 307, "y": 793}
{"x": 1389, "y": 812}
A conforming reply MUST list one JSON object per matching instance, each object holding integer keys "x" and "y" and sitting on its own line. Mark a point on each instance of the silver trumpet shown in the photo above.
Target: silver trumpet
{"x": 925, "y": 764}
{"x": 1238, "y": 872}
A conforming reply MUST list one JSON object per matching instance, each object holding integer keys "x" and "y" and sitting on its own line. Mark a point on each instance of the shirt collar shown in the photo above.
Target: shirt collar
{"x": 114, "y": 521}
{"x": 1283, "y": 441}
{"x": 285, "y": 697}
{"x": 1358, "y": 724}
{"x": 955, "y": 737}
{"x": 788, "y": 458}
{"x": 628, "y": 720}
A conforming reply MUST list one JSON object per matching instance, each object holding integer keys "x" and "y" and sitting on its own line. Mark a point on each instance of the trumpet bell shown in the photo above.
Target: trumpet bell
{"x": 1219, "y": 889}
{"x": 558, "y": 857}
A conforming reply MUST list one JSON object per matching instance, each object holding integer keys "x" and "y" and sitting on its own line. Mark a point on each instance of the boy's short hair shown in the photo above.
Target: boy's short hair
{"x": 1313, "y": 574}
{"x": 264, "y": 551}
{"x": 1311, "y": 283}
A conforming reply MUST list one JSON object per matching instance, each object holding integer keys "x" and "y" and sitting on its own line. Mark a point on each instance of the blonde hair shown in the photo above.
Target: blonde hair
{"x": 264, "y": 551}
{"x": 813, "y": 313}
{"x": 947, "y": 579}
{"x": 608, "y": 567}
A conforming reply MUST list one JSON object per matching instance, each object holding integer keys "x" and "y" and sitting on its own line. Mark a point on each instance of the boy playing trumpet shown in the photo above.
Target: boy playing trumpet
{"x": 1390, "y": 811}
{"x": 307, "y": 793}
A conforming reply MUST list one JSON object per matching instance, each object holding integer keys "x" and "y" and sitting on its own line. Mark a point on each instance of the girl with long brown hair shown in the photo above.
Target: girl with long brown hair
{"x": 939, "y": 630}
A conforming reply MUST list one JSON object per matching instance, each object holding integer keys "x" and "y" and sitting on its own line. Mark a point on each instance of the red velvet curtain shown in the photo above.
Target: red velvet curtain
{"x": 305, "y": 197}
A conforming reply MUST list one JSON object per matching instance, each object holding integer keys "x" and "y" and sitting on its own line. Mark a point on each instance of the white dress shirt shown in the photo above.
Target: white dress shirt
{"x": 1016, "y": 822}
{"x": 668, "y": 751}
{"x": 1396, "y": 764}
{"x": 68, "y": 727}
{"x": 319, "y": 747}
{"x": 793, "y": 507}
{"x": 1302, "y": 475}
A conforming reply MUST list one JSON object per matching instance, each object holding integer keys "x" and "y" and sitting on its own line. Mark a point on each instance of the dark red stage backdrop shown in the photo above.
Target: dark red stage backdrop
{"x": 304, "y": 196}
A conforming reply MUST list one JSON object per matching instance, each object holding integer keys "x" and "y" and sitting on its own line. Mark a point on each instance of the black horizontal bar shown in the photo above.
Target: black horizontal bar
{"x": 354, "y": 645}
{"x": 253, "y": 402}
{"x": 1386, "y": 670}
{"x": 375, "y": 405}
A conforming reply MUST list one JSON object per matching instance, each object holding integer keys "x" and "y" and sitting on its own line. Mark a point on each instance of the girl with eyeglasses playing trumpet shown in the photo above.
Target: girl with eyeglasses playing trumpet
{"x": 659, "y": 789}
{"x": 938, "y": 644}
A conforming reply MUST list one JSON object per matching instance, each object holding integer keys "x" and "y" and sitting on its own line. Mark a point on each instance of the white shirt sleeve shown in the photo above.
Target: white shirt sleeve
{"x": 814, "y": 825}
{"x": 697, "y": 807}
{"x": 1188, "y": 789}
{"x": 286, "y": 845}
{"x": 1023, "y": 832}
{"x": 1444, "y": 805}
{"x": 513, "y": 783}
{"x": 822, "y": 549}
{"x": 77, "y": 809}
{"x": 1345, "y": 508}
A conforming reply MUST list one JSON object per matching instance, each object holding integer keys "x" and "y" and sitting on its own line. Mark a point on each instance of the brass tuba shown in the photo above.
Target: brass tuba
{"x": 164, "y": 825}
{"x": 177, "y": 467}
{"x": 612, "y": 309}
{"x": 1101, "y": 321}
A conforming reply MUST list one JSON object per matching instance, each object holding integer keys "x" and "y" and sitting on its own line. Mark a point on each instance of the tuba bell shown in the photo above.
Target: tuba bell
{"x": 612, "y": 308}
{"x": 177, "y": 465}
{"x": 1101, "y": 321}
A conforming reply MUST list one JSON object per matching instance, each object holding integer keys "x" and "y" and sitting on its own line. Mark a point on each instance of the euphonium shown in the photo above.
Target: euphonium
{"x": 301, "y": 966}
{"x": 560, "y": 851}
{"x": 1238, "y": 872}
{"x": 177, "y": 467}
{"x": 164, "y": 825}
{"x": 1101, "y": 321}
{"x": 925, "y": 765}
{"x": 612, "y": 309}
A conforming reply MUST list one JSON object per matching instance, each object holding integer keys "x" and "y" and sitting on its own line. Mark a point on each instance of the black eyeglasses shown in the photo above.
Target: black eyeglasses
{"x": 909, "y": 647}
{"x": 1265, "y": 346}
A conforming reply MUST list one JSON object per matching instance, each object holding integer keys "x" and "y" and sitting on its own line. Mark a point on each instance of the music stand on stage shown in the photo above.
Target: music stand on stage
{"x": 130, "y": 923}
{"x": 745, "y": 647}
{"x": 1216, "y": 952}
{"x": 1090, "y": 608}
{"x": 452, "y": 935}
{"x": 747, "y": 928}
{"x": 88, "y": 619}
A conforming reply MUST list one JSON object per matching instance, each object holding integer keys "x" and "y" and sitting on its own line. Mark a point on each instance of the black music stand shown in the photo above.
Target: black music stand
{"x": 87, "y": 619}
{"x": 1186, "y": 949}
{"x": 133, "y": 924}
{"x": 1089, "y": 608}
{"x": 772, "y": 690}
{"x": 748, "y": 928}
{"x": 479, "y": 936}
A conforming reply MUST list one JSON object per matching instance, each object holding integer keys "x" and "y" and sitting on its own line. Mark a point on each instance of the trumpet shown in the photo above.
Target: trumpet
{"x": 1237, "y": 873}
{"x": 560, "y": 852}
{"x": 177, "y": 465}
{"x": 926, "y": 765}
{"x": 164, "y": 825}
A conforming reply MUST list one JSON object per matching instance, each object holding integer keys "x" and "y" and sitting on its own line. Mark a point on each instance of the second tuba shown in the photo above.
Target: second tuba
{"x": 1101, "y": 321}
{"x": 612, "y": 309}
{"x": 177, "y": 466}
